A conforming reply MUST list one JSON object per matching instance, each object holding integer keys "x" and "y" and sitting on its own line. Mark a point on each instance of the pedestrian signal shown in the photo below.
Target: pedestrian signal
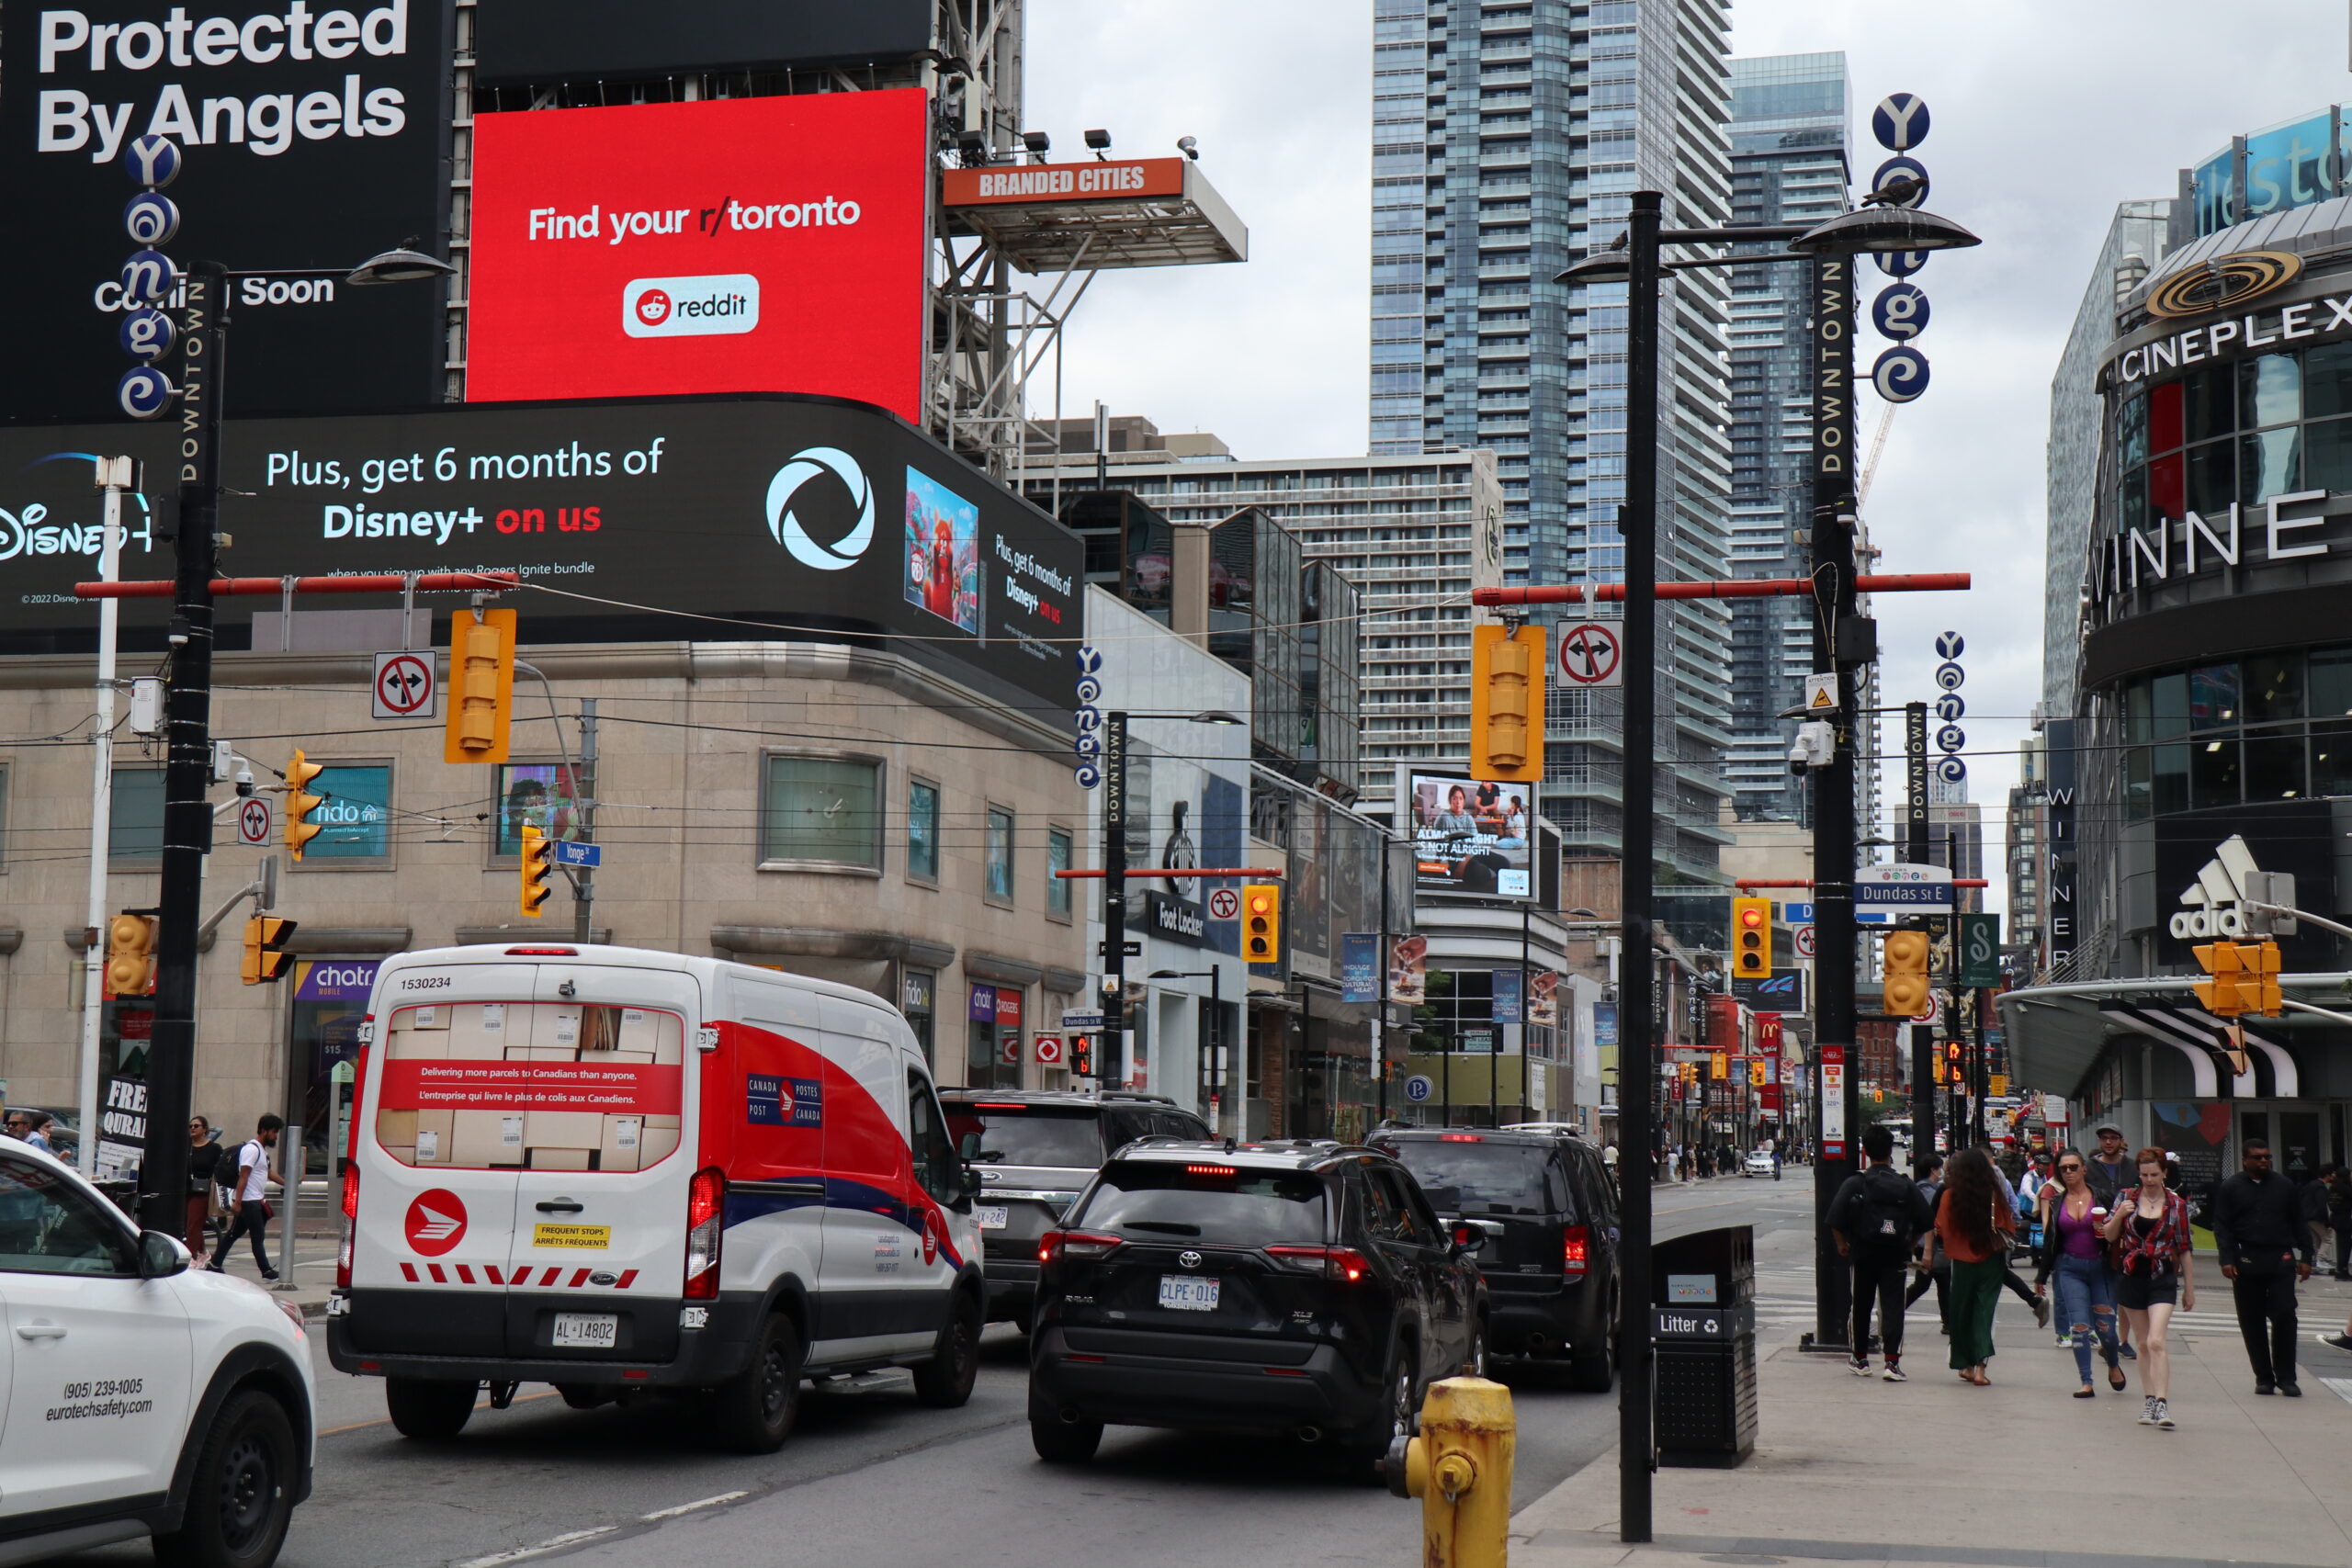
{"x": 1081, "y": 1054}
{"x": 265, "y": 957}
{"x": 1904, "y": 958}
{"x": 1507, "y": 703}
{"x": 301, "y": 803}
{"x": 538, "y": 864}
{"x": 1751, "y": 939}
{"x": 482, "y": 677}
{"x": 130, "y": 956}
{"x": 1261, "y": 922}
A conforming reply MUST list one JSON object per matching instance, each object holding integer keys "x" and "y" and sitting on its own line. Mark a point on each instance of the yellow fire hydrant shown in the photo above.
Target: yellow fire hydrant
{"x": 1460, "y": 1468}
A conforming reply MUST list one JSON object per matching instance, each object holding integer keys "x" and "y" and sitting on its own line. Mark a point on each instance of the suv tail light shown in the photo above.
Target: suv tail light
{"x": 1576, "y": 1252}
{"x": 1344, "y": 1264}
{"x": 706, "y": 1229}
{"x": 350, "y": 1226}
{"x": 1056, "y": 1247}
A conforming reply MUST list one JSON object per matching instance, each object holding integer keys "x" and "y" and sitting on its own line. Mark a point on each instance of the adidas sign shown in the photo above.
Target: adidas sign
{"x": 2215, "y": 905}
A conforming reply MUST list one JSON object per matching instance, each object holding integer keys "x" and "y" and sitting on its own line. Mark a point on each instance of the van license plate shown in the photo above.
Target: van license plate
{"x": 586, "y": 1330}
{"x": 991, "y": 1218}
{"x": 1188, "y": 1293}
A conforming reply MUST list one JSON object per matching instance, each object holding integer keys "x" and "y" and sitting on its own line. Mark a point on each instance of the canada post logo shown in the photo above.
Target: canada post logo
{"x": 722, "y": 304}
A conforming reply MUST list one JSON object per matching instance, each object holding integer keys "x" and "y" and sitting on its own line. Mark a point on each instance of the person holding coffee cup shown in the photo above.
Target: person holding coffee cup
{"x": 2072, "y": 1248}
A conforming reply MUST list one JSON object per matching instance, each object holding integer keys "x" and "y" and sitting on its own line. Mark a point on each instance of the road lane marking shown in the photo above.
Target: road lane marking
{"x": 690, "y": 1508}
{"x": 553, "y": 1543}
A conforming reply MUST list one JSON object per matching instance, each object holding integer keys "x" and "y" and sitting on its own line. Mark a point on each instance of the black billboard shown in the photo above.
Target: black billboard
{"x": 2202, "y": 859}
{"x": 314, "y": 137}
{"x": 647, "y": 519}
{"x": 557, "y": 40}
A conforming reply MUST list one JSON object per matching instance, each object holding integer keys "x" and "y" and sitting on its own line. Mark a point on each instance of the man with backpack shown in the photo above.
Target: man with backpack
{"x": 1875, "y": 1218}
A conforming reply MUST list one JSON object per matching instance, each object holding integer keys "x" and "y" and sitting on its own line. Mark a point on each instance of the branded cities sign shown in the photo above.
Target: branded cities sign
{"x": 742, "y": 513}
{"x": 727, "y": 246}
{"x": 314, "y": 137}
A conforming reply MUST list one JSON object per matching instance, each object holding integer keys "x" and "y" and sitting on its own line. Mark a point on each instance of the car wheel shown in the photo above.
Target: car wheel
{"x": 753, "y": 1411}
{"x": 241, "y": 1498}
{"x": 1593, "y": 1370}
{"x": 1397, "y": 1418}
{"x": 945, "y": 1381}
{"x": 1477, "y": 1362}
{"x": 1064, "y": 1442}
{"x": 429, "y": 1410}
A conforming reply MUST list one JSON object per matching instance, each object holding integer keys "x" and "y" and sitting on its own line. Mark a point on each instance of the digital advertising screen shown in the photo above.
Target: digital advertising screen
{"x": 727, "y": 246}
{"x": 671, "y": 520}
{"x": 1470, "y": 836}
{"x": 553, "y": 40}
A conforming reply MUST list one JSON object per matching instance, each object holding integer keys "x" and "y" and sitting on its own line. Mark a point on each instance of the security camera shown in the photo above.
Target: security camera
{"x": 245, "y": 783}
{"x": 1188, "y": 146}
{"x": 1816, "y": 744}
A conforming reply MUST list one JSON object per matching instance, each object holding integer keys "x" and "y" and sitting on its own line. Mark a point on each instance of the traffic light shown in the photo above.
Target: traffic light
{"x": 1718, "y": 1066}
{"x": 301, "y": 803}
{"x": 130, "y": 956}
{"x": 265, "y": 955}
{"x": 481, "y": 678}
{"x": 1751, "y": 939}
{"x": 538, "y": 864}
{"x": 2222, "y": 995}
{"x": 2259, "y": 988}
{"x": 1507, "y": 703}
{"x": 1757, "y": 1073}
{"x": 1261, "y": 922}
{"x": 1905, "y": 956}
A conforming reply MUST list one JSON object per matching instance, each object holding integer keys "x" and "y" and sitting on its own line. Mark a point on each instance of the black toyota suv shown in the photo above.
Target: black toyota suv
{"x": 1034, "y": 1151}
{"x": 1548, "y": 1205}
{"x": 1301, "y": 1288}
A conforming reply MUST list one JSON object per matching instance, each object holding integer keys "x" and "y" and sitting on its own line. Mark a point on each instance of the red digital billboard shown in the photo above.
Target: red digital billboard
{"x": 728, "y": 246}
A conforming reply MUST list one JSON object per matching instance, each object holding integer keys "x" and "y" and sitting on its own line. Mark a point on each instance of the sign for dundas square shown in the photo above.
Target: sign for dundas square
{"x": 727, "y": 246}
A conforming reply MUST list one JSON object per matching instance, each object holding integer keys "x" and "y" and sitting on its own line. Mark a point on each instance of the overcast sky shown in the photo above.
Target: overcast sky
{"x": 2047, "y": 114}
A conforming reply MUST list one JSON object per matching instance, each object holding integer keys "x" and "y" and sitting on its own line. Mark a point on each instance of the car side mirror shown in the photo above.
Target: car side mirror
{"x": 970, "y": 1182}
{"x": 971, "y": 1146}
{"x": 161, "y": 1256}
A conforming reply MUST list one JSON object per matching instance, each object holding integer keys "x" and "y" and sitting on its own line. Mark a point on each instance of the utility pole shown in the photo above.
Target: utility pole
{"x": 1833, "y": 785}
{"x": 583, "y": 877}
{"x": 187, "y": 766}
{"x": 115, "y": 476}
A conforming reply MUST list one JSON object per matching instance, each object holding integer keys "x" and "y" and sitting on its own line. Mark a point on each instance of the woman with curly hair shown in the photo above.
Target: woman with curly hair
{"x": 1974, "y": 1220}
{"x": 2155, "y": 1256}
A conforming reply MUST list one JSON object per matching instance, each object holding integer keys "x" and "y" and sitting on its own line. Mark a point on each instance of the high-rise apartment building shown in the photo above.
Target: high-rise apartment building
{"x": 1507, "y": 138}
{"x": 1790, "y": 129}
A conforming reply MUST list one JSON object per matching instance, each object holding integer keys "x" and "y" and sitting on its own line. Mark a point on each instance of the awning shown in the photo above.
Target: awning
{"x": 2056, "y": 1033}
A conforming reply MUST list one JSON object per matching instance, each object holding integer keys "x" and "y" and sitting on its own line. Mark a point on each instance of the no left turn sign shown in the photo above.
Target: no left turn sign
{"x": 403, "y": 686}
{"x": 1591, "y": 654}
{"x": 1225, "y": 904}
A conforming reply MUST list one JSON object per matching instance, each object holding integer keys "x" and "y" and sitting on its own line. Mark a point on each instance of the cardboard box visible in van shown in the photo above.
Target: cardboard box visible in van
{"x": 558, "y": 1159}
{"x": 622, "y": 1143}
{"x": 431, "y": 1134}
{"x": 484, "y": 1138}
{"x": 563, "y": 1129}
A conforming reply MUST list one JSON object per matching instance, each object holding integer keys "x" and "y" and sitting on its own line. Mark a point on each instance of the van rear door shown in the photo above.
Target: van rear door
{"x": 594, "y": 1121}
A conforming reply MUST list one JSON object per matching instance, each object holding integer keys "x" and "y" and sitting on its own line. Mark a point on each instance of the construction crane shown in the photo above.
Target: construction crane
{"x": 1870, "y": 464}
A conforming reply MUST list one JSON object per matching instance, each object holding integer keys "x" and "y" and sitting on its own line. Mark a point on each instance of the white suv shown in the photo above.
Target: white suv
{"x": 140, "y": 1397}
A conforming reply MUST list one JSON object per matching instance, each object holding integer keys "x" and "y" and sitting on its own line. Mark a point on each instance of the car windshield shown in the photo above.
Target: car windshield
{"x": 1220, "y": 1204}
{"x": 1483, "y": 1178}
{"x": 1027, "y": 1134}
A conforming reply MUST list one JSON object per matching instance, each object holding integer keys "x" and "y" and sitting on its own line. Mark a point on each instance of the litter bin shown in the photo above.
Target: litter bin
{"x": 1702, "y": 1320}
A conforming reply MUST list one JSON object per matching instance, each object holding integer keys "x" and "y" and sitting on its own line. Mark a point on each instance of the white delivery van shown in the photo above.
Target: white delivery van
{"x": 612, "y": 1169}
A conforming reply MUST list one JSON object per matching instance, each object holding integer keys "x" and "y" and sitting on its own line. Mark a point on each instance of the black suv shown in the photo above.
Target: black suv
{"x": 1548, "y": 1205}
{"x": 1034, "y": 1151}
{"x": 1301, "y": 1288}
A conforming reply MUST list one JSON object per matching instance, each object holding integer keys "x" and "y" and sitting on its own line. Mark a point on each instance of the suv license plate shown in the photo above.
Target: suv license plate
{"x": 586, "y": 1330}
{"x": 991, "y": 1217}
{"x": 1188, "y": 1293}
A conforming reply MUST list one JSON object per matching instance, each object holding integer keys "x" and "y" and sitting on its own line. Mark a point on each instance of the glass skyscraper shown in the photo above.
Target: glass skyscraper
{"x": 1507, "y": 138}
{"x": 1789, "y": 134}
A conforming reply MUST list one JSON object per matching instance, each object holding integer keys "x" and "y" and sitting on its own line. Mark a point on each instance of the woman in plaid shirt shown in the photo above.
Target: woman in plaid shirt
{"x": 2153, "y": 1251}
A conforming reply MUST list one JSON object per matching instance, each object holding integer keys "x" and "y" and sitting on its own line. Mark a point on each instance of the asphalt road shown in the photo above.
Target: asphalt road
{"x": 874, "y": 1478}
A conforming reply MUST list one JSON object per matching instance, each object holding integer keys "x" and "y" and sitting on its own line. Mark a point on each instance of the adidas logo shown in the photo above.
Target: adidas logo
{"x": 2211, "y": 906}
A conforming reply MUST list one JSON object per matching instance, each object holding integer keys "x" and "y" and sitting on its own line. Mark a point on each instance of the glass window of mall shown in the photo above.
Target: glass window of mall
{"x": 1057, "y": 860}
{"x": 2241, "y": 430}
{"x": 2275, "y": 727}
{"x": 923, "y": 831}
{"x": 998, "y": 869}
{"x": 821, "y": 811}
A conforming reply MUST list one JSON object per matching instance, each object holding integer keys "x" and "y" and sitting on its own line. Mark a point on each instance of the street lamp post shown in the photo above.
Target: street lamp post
{"x": 1635, "y": 261}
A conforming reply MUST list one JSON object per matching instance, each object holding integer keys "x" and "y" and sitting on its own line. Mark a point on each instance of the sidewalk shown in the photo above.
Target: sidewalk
{"x": 2017, "y": 1476}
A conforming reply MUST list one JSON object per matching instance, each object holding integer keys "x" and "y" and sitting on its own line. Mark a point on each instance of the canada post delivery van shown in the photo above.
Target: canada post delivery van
{"x": 613, "y": 1170}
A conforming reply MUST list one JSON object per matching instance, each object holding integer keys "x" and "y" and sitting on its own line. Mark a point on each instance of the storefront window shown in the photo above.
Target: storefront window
{"x": 994, "y": 1018}
{"x": 354, "y": 817}
{"x": 918, "y": 999}
{"x": 322, "y": 1036}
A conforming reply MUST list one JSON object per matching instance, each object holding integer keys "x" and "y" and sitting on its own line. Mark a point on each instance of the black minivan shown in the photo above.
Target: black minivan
{"x": 1303, "y": 1288}
{"x": 1548, "y": 1205}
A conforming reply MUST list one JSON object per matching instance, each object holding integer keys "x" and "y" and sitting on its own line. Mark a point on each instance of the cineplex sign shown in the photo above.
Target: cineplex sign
{"x": 667, "y": 520}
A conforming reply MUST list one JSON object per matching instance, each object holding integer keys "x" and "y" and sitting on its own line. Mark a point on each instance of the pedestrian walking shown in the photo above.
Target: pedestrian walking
{"x": 2074, "y": 1251}
{"x": 1933, "y": 1268}
{"x": 2155, "y": 1256}
{"x": 2266, "y": 1251}
{"x": 2313, "y": 1195}
{"x": 2339, "y": 1219}
{"x": 2109, "y": 1170}
{"x": 2339, "y": 1341}
{"x": 249, "y": 1206}
{"x": 1974, "y": 1220}
{"x": 204, "y": 1156}
{"x": 1875, "y": 1218}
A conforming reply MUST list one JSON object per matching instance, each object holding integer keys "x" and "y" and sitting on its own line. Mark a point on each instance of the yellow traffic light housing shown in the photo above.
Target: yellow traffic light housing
{"x": 301, "y": 803}
{"x": 1751, "y": 939}
{"x": 1904, "y": 958}
{"x": 1757, "y": 1073}
{"x": 2258, "y": 984}
{"x": 130, "y": 956}
{"x": 265, "y": 957}
{"x": 1261, "y": 922}
{"x": 482, "y": 680}
{"x": 538, "y": 865}
{"x": 1507, "y": 703}
{"x": 2222, "y": 993}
